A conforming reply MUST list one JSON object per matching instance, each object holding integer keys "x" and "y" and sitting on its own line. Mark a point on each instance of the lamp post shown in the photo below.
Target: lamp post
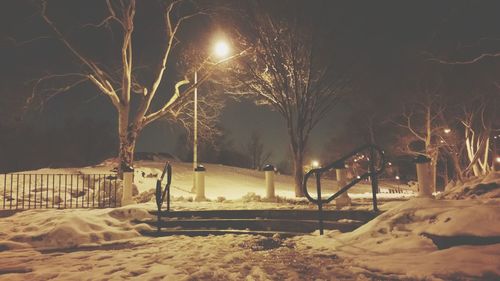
{"x": 195, "y": 123}
{"x": 221, "y": 50}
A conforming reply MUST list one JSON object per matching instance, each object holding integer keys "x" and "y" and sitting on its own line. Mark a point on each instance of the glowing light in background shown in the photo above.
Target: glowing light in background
{"x": 221, "y": 49}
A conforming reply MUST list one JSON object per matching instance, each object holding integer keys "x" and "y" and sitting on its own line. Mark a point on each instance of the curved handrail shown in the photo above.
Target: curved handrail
{"x": 372, "y": 173}
{"x": 338, "y": 163}
{"x": 160, "y": 196}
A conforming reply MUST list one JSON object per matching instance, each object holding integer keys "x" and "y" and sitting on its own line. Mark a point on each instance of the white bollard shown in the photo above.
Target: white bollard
{"x": 128, "y": 179}
{"x": 424, "y": 175}
{"x": 343, "y": 200}
{"x": 269, "y": 174}
{"x": 199, "y": 180}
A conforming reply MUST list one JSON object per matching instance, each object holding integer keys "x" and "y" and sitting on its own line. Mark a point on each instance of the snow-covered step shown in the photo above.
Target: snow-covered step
{"x": 216, "y": 222}
{"x": 332, "y": 215}
{"x": 204, "y": 232}
{"x": 285, "y": 225}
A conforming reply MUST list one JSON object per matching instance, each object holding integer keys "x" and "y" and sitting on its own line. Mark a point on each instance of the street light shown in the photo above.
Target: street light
{"x": 447, "y": 130}
{"x": 315, "y": 164}
{"x": 221, "y": 50}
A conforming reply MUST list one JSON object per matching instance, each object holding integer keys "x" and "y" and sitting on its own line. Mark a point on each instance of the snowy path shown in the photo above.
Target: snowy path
{"x": 226, "y": 257}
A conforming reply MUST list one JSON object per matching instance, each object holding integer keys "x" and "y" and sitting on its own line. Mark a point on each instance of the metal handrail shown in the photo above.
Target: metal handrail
{"x": 160, "y": 196}
{"x": 372, "y": 173}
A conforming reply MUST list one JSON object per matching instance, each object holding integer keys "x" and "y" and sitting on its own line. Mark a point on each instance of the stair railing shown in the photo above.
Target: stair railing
{"x": 160, "y": 196}
{"x": 373, "y": 172}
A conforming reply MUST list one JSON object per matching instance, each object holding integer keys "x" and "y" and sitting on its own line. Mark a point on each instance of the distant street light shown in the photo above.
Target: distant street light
{"x": 315, "y": 164}
{"x": 397, "y": 177}
{"x": 221, "y": 50}
{"x": 447, "y": 130}
{"x": 497, "y": 159}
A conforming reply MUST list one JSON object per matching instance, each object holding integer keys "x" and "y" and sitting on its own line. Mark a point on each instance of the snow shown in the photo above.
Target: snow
{"x": 222, "y": 183}
{"x": 105, "y": 244}
{"x": 393, "y": 242}
{"x": 480, "y": 187}
{"x": 50, "y": 228}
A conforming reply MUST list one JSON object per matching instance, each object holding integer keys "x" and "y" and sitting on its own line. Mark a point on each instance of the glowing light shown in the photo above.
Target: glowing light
{"x": 389, "y": 163}
{"x": 221, "y": 49}
{"x": 497, "y": 159}
{"x": 315, "y": 164}
{"x": 358, "y": 177}
{"x": 397, "y": 177}
{"x": 447, "y": 130}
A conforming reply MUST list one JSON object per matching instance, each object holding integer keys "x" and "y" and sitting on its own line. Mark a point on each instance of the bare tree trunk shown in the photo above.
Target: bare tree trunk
{"x": 298, "y": 172}
{"x": 445, "y": 175}
{"x": 127, "y": 137}
{"x": 126, "y": 154}
{"x": 457, "y": 167}
{"x": 434, "y": 161}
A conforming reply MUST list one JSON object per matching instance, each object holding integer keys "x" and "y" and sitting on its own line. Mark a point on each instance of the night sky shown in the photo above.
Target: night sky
{"x": 390, "y": 42}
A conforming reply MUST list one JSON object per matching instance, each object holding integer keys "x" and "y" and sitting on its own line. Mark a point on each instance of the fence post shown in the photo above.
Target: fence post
{"x": 128, "y": 179}
{"x": 199, "y": 180}
{"x": 424, "y": 175}
{"x": 269, "y": 175}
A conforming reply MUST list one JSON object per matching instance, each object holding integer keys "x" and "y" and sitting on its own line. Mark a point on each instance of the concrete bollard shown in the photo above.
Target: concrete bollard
{"x": 269, "y": 174}
{"x": 343, "y": 200}
{"x": 199, "y": 181}
{"x": 128, "y": 179}
{"x": 424, "y": 175}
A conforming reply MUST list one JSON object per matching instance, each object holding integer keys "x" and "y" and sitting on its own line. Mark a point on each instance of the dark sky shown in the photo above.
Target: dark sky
{"x": 388, "y": 40}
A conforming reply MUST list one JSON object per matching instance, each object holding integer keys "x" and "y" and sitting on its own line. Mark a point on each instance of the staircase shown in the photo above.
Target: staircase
{"x": 286, "y": 223}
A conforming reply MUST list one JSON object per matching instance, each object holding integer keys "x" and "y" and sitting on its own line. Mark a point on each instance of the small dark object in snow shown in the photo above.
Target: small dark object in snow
{"x": 445, "y": 242}
{"x": 263, "y": 244}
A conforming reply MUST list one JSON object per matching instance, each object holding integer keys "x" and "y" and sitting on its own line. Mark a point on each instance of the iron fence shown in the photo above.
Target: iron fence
{"x": 32, "y": 191}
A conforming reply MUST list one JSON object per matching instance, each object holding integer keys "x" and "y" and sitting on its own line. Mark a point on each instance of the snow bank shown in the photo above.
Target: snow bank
{"x": 480, "y": 187}
{"x": 395, "y": 242}
{"x": 56, "y": 229}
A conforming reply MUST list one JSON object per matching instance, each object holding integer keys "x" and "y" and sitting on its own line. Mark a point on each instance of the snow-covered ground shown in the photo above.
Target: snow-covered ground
{"x": 105, "y": 244}
{"x": 221, "y": 183}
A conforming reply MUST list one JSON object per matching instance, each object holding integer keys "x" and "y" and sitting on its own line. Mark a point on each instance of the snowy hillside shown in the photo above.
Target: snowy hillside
{"x": 222, "y": 182}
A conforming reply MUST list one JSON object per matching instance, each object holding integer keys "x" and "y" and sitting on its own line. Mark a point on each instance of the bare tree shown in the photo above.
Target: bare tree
{"x": 291, "y": 71}
{"x": 424, "y": 120}
{"x": 255, "y": 149}
{"x": 478, "y": 125}
{"x": 122, "y": 86}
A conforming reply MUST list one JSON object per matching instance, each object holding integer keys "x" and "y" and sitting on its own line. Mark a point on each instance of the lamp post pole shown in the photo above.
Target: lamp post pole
{"x": 195, "y": 122}
{"x": 221, "y": 50}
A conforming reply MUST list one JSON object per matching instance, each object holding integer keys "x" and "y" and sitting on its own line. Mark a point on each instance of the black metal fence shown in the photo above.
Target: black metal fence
{"x": 34, "y": 191}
